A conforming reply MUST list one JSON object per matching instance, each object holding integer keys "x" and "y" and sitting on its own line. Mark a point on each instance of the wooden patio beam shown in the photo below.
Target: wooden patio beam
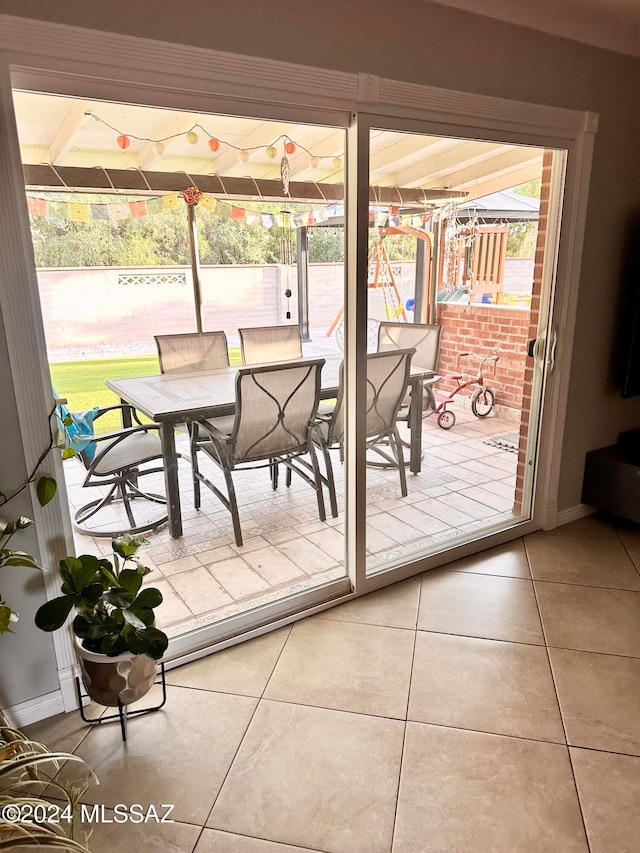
{"x": 100, "y": 180}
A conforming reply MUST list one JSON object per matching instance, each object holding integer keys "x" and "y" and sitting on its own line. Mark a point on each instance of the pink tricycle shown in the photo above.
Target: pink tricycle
{"x": 482, "y": 397}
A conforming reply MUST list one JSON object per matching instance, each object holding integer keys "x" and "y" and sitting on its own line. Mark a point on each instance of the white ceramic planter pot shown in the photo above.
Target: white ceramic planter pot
{"x": 126, "y": 677}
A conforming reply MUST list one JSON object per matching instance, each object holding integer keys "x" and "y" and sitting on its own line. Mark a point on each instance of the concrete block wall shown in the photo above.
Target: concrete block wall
{"x": 85, "y": 307}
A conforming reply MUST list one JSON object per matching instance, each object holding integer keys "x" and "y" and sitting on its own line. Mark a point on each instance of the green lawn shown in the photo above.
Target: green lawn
{"x": 82, "y": 383}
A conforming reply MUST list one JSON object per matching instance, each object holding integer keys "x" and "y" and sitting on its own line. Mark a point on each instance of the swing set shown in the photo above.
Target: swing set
{"x": 382, "y": 277}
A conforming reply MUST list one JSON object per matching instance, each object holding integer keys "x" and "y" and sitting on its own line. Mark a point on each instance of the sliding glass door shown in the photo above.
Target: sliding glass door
{"x": 461, "y": 238}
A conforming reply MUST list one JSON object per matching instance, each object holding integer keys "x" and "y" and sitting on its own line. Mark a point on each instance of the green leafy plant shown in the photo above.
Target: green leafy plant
{"x": 28, "y": 769}
{"x": 46, "y": 488}
{"x": 114, "y": 614}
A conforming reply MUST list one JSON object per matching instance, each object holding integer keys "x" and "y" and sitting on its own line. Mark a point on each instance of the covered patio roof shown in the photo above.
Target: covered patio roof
{"x": 99, "y": 145}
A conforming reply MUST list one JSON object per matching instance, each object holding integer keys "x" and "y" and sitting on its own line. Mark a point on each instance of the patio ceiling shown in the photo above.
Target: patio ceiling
{"x": 68, "y": 132}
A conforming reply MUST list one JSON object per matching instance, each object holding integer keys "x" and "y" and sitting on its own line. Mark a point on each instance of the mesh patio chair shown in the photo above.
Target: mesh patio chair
{"x": 387, "y": 380}
{"x": 425, "y": 338}
{"x": 186, "y": 353}
{"x": 275, "y": 407}
{"x": 116, "y": 460}
{"x": 264, "y": 344}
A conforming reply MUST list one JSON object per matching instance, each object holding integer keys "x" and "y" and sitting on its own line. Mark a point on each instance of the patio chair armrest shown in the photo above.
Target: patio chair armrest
{"x": 212, "y": 433}
{"x": 123, "y": 433}
{"x": 121, "y": 407}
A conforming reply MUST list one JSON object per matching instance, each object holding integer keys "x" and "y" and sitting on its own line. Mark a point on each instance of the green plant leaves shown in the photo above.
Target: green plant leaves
{"x": 132, "y": 619}
{"x": 79, "y": 572}
{"x": 53, "y": 614}
{"x": 46, "y": 488}
{"x": 9, "y": 557}
{"x": 127, "y": 545}
{"x": 131, "y": 580}
{"x": 151, "y": 642}
{"x": 7, "y": 616}
{"x": 150, "y": 597}
{"x": 114, "y": 613}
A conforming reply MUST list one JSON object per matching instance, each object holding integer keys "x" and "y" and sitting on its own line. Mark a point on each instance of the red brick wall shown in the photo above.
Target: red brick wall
{"x": 547, "y": 167}
{"x": 481, "y": 329}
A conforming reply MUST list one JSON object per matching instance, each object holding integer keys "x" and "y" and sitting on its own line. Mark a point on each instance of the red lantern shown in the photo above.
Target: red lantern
{"x": 214, "y": 145}
{"x": 123, "y": 141}
{"x": 290, "y": 147}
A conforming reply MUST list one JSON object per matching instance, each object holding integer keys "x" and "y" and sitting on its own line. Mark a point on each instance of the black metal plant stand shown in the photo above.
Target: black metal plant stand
{"x": 123, "y": 714}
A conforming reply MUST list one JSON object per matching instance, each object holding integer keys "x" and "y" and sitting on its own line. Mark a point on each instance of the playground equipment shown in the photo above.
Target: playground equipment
{"x": 381, "y": 276}
{"x": 482, "y": 397}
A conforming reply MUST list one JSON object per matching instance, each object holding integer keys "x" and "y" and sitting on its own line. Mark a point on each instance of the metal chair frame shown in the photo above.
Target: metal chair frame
{"x": 264, "y": 344}
{"x": 382, "y": 415}
{"x": 286, "y": 440}
{"x": 209, "y": 350}
{"x": 122, "y": 479}
{"x": 425, "y": 338}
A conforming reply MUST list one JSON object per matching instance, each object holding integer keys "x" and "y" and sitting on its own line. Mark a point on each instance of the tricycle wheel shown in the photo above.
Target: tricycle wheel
{"x": 446, "y": 420}
{"x": 482, "y": 401}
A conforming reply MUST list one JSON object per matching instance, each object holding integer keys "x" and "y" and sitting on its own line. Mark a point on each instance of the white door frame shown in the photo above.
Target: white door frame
{"x": 43, "y": 56}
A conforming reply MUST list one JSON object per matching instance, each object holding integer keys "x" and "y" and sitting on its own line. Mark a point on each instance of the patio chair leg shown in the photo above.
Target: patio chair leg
{"x": 274, "y": 471}
{"x": 195, "y": 471}
{"x": 233, "y": 505}
{"x": 396, "y": 447}
{"x": 122, "y": 487}
{"x": 331, "y": 483}
{"x": 318, "y": 482}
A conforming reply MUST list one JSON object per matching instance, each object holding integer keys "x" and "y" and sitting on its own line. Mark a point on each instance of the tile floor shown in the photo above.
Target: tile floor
{"x": 204, "y": 577}
{"x": 488, "y": 706}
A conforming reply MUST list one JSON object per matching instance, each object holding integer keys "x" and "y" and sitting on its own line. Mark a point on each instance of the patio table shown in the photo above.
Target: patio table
{"x": 177, "y": 398}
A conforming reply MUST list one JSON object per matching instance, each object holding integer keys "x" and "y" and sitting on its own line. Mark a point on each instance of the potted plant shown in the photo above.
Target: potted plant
{"x": 28, "y": 772}
{"x": 117, "y": 640}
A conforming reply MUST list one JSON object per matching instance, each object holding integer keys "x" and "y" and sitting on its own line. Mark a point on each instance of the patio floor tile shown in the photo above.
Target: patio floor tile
{"x": 199, "y": 590}
{"x": 307, "y": 556}
{"x": 272, "y": 565}
{"x": 236, "y": 578}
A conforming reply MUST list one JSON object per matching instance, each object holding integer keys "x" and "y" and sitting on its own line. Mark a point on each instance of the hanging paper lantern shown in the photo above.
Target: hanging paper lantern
{"x": 314, "y": 162}
{"x": 214, "y": 145}
{"x": 337, "y": 162}
{"x": 123, "y": 141}
{"x": 290, "y": 147}
{"x": 192, "y": 195}
{"x": 271, "y": 152}
{"x": 192, "y": 137}
{"x": 158, "y": 149}
{"x": 243, "y": 156}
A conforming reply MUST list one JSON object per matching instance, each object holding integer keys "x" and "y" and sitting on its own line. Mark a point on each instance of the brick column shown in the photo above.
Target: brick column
{"x": 547, "y": 163}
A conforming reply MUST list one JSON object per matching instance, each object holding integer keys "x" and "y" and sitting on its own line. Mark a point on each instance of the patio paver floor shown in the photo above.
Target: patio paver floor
{"x": 464, "y": 486}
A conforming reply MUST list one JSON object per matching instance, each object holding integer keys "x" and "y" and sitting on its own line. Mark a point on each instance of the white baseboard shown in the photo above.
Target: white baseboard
{"x": 573, "y": 513}
{"x": 34, "y": 710}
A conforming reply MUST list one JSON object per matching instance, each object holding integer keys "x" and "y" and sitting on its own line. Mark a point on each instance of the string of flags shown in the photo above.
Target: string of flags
{"x": 113, "y": 212}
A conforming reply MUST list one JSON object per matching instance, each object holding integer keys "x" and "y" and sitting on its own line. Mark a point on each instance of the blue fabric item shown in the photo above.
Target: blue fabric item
{"x": 79, "y": 432}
